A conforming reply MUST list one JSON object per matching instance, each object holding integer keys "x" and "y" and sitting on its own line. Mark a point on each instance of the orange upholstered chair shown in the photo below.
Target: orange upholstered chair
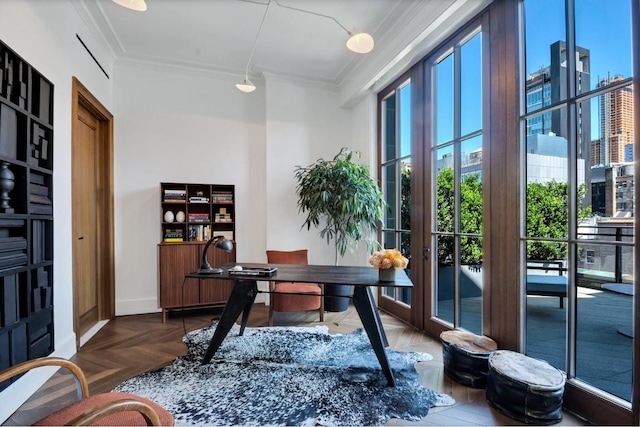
{"x": 105, "y": 409}
{"x": 295, "y": 302}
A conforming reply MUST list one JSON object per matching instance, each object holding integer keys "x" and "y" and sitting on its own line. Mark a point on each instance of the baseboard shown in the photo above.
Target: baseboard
{"x": 19, "y": 392}
{"x": 150, "y": 305}
{"x": 91, "y": 332}
{"x": 137, "y": 306}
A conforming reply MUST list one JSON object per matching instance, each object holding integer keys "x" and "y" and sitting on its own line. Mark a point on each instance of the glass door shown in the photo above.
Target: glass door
{"x": 455, "y": 80}
{"x": 579, "y": 185}
{"x": 395, "y": 154}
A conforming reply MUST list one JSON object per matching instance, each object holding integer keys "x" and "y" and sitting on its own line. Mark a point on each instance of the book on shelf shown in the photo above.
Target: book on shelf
{"x": 198, "y": 199}
{"x": 219, "y": 217}
{"x": 173, "y": 239}
{"x": 222, "y": 197}
{"x": 175, "y": 195}
{"x": 199, "y": 233}
{"x": 173, "y": 233}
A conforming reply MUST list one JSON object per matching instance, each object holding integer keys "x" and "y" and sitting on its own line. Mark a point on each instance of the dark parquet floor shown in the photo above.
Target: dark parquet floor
{"x": 130, "y": 345}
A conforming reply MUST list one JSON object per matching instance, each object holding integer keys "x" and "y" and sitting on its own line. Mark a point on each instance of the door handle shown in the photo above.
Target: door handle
{"x": 81, "y": 237}
{"x": 425, "y": 252}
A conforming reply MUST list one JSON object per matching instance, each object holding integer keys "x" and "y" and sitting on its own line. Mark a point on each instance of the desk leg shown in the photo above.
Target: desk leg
{"x": 248, "y": 307}
{"x": 368, "y": 312}
{"x": 240, "y": 300}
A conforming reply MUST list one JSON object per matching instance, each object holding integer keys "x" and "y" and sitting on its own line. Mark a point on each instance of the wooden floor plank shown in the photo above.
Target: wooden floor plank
{"x": 130, "y": 345}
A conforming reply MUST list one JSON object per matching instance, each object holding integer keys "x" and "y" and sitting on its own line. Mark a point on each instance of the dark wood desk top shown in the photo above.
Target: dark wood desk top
{"x": 326, "y": 274}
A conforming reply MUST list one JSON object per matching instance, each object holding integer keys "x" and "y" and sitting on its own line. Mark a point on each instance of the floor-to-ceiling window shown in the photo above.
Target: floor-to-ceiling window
{"x": 578, "y": 190}
{"x": 456, "y": 181}
{"x": 523, "y": 207}
{"x": 396, "y": 184}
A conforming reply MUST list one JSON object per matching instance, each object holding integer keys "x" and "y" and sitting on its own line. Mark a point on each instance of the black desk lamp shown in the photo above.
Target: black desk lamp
{"x": 220, "y": 242}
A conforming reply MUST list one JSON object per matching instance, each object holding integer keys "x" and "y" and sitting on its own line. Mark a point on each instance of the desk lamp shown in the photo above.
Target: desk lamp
{"x": 220, "y": 242}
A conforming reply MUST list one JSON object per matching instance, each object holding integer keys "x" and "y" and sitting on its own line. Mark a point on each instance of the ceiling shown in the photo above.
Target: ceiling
{"x": 219, "y": 34}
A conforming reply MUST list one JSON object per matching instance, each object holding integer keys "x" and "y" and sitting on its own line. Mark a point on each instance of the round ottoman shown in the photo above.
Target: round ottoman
{"x": 525, "y": 389}
{"x": 466, "y": 356}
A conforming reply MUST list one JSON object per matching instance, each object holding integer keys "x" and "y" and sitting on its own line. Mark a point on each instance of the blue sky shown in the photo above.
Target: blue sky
{"x": 602, "y": 26}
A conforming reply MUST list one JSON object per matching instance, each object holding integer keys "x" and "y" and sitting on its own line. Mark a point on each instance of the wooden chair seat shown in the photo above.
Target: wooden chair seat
{"x": 284, "y": 296}
{"x": 296, "y": 302}
{"x": 105, "y": 405}
{"x": 112, "y": 409}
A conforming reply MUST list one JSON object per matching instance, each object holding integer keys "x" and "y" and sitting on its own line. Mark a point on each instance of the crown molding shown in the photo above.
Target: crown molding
{"x": 108, "y": 42}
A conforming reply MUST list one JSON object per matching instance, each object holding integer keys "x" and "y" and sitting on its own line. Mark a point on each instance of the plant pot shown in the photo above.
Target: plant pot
{"x": 387, "y": 274}
{"x": 336, "y": 297}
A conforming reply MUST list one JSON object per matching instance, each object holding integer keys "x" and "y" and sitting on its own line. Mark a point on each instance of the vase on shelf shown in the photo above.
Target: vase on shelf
{"x": 387, "y": 274}
{"x": 7, "y": 182}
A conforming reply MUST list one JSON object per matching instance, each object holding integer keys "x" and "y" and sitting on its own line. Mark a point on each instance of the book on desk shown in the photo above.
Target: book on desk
{"x": 253, "y": 271}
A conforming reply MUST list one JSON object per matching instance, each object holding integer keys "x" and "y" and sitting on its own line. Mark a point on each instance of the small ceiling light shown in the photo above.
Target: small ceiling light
{"x": 246, "y": 86}
{"x": 360, "y": 43}
{"x": 138, "y": 5}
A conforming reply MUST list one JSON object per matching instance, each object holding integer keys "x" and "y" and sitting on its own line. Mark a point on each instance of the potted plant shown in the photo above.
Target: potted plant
{"x": 340, "y": 196}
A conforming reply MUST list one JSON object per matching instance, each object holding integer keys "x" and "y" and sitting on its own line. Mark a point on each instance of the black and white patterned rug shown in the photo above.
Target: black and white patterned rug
{"x": 287, "y": 376}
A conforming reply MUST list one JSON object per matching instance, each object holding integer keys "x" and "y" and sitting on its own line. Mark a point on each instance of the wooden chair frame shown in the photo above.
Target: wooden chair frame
{"x": 82, "y": 386}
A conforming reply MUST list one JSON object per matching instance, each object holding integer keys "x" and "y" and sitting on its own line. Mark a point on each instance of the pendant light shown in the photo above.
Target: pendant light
{"x": 138, "y": 5}
{"x": 247, "y": 86}
{"x": 359, "y": 43}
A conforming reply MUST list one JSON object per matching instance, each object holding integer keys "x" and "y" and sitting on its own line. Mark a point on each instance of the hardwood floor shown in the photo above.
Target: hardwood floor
{"x": 130, "y": 345}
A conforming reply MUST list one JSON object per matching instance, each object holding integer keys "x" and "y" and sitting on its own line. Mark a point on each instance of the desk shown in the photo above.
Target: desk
{"x": 245, "y": 290}
{"x": 624, "y": 289}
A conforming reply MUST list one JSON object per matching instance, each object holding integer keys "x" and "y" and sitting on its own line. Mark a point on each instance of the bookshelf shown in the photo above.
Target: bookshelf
{"x": 192, "y": 212}
{"x": 190, "y": 215}
{"x": 26, "y": 212}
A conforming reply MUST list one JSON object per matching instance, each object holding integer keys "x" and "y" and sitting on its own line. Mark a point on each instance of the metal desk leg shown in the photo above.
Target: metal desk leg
{"x": 248, "y": 307}
{"x": 240, "y": 300}
{"x": 368, "y": 312}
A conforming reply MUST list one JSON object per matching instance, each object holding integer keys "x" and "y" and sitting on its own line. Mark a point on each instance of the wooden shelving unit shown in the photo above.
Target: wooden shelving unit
{"x": 191, "y": 214}
{"x": 26, "y": 211}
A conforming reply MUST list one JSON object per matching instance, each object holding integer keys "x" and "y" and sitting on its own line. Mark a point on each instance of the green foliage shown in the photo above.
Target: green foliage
{"x": 547, "y": 217}
{"x": 470, "y": 217}
{"x": 343, "y": 194}
{"x": 405, "y": 210}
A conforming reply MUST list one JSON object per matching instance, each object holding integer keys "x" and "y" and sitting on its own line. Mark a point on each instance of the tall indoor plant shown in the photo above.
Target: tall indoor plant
{"x": 342, "y": 199}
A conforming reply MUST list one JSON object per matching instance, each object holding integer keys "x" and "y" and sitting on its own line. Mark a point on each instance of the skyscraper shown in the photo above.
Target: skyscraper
{"x": 616, "y": 125}
{"x": 549, "y": 85}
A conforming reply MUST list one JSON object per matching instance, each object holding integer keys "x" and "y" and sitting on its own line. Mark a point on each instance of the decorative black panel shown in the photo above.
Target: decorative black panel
{"x": 26, "y": 211}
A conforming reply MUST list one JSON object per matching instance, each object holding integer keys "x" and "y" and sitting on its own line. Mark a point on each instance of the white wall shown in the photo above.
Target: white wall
{"x": 178, "y": 125}
{"x": 44, "y": 34}
{"x": 304, "y": 123}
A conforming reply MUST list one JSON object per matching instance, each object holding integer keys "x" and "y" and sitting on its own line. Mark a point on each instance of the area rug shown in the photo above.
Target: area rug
{"x": 287, "y": 376}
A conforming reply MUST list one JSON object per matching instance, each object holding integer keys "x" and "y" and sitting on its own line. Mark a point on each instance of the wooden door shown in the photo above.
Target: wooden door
{"x": 85, "y": 220}
{"x": 92, "y": 210}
